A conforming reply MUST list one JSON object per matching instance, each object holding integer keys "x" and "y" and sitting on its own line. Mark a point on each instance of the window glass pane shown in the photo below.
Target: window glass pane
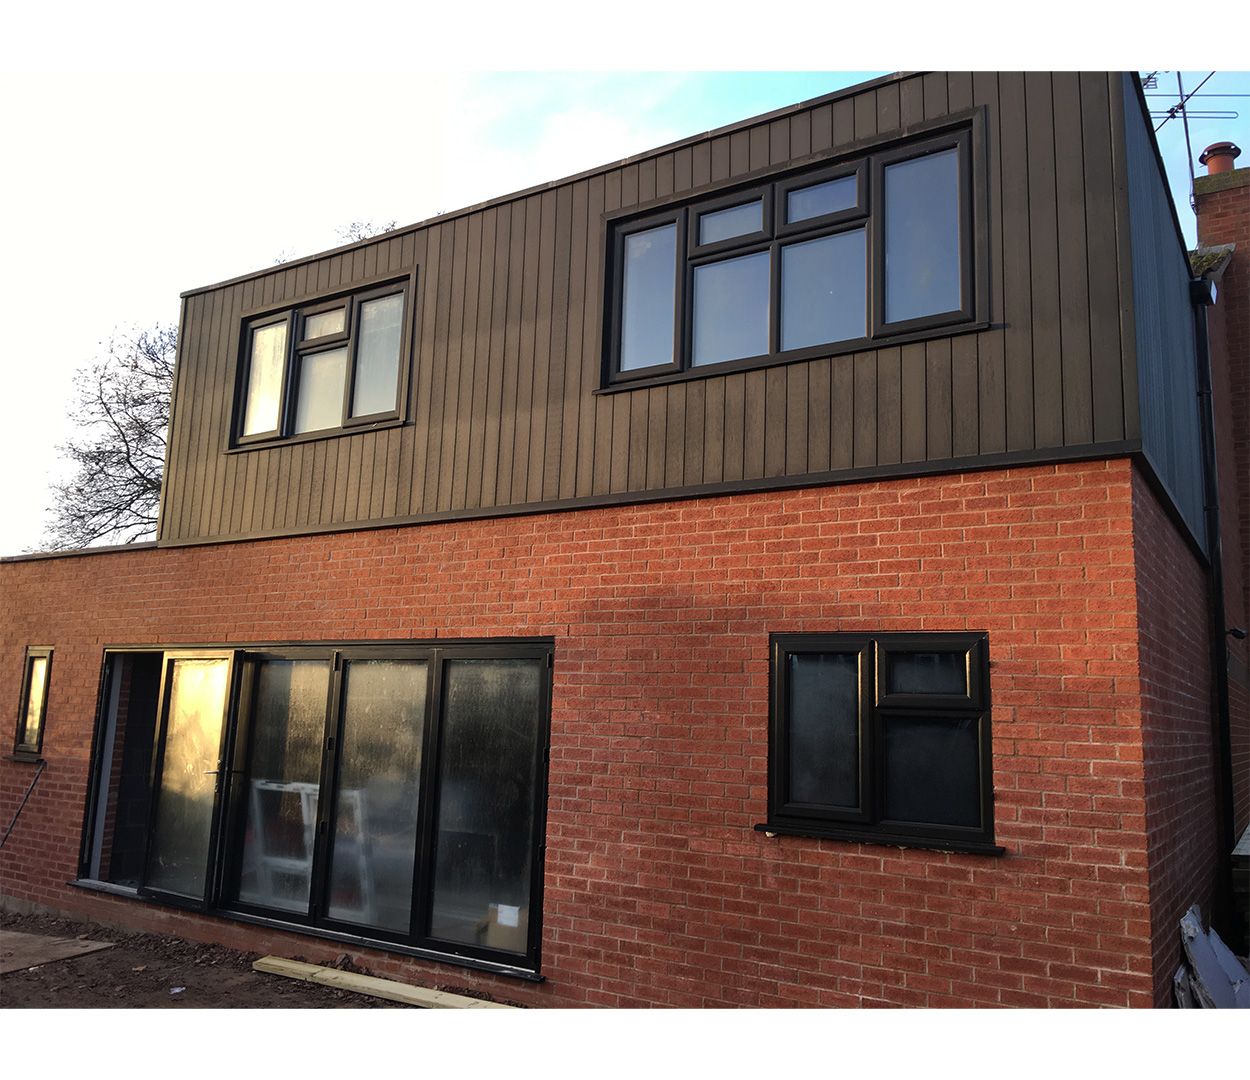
{"x": 377, "y": 355}
{"x": 279, "y": 789}
{"x": 821, "y": 199}
{"x": 325, "y": 323}
{"x": 735, "y": 221}
{"x": 824, "y": 728}
{"x": 34, "y": 701}
{"x": 374, "y": 842}
{"x": 486, "y": 795}
{"x": 649, "y": 298}
{"x": 931, "y": 771}
{"x": 731, "y": 309}
{"x": 178, "y": 861}
{"x": 922, "y": 237}
{"x": 320, "y": 402}
{"x": 928, "y": 673}
{"x": 264, "y": 379}
{"x": 823, "y": 290}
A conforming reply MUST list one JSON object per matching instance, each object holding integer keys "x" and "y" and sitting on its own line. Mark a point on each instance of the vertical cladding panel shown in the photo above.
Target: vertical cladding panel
{"x": 414, "y": 255}
{"x": 775, "y": 435}
{"x": 1164, "y": 325}
{"x": 1044, "y": 261}
{"x": 655, "y": 437}
{"x": 447, "y": 367}
{"x": 543, "y": 342}
{"x": 500, "y": 299}
{"x": 177, "y": 480}
{"x": 713, "y": 452}
{"x": 479, "y": 417}
{"x": 525, "y": 356}
{"x": 571, "y": 402}
{"x": 912, "y": 422}
{"x": 472, "y": 340}
{"x": 1074, "y": 305}
{"x": 594, "y": 412}
{"x": 991, "y": 344}
{"x": 216, "y": 408}
{"x": 1107, "y": 389}
{"x": 1017, "y": 310}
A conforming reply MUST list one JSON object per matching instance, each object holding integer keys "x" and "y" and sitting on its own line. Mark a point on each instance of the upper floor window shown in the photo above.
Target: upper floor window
{"x": 817, "y": 262}
{"x": 324, "y": 366}
{"x": 33, "y": 704}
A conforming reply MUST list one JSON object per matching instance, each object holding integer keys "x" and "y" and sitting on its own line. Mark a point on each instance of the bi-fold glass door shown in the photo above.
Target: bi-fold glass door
{"x": 187, "y": 775}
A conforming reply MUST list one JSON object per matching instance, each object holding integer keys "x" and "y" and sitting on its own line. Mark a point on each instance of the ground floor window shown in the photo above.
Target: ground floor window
{"x": 392, "y": 792}
{"x": 882, "y": 736}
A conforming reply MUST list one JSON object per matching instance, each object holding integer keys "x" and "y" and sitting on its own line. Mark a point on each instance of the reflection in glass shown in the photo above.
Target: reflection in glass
{"x": 735, "y": 221}
{"x": 264, "y": 380}
{"x": 824, "y": 729}
{"x": 485, "y": 817}
{"x": 325, "y": 323}
{"x": 374, "y": 843}
{"x": 377, "y": 355}
{"x": 823, "y": 291}
{"x": 731, "y": 309}
{"x": 818, "y": 200}
{"x": 278, "y": 791}
{"x": 649, "y": 298}
{"x": 928, "y": 673}
{"x": 320, "y": 403}
{"x": 178, "y": 859}
{"x": 36, "y": 684}
{"x": 922, "y": 274}
{"x": 932, "y": 771}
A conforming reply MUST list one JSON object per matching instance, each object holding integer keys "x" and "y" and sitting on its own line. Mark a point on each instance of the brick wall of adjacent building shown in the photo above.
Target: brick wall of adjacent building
{"x": 1223, "y": 215}
{"x": 658, "y": 891}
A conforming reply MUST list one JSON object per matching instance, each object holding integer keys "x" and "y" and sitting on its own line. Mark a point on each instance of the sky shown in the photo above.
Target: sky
{"x": 142, "y": 159}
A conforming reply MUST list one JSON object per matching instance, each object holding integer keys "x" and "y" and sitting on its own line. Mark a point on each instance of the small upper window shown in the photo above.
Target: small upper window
{"x": 33, "y": 705}
{"x": 323, "y": 367}
{"x": 882, "y": 736}
{"x": 817, "y": 262}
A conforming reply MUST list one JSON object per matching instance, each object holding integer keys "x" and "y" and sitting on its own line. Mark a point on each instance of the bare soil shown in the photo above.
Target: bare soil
{"x": 150, "y": 971}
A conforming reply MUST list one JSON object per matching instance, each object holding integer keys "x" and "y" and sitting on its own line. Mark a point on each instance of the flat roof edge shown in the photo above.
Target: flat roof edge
{"x": 72, "y": 553}
{"x": 549, "y": 185}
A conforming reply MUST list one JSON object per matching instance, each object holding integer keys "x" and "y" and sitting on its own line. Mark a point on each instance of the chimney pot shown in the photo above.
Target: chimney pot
{"x": 1219, "y": 157}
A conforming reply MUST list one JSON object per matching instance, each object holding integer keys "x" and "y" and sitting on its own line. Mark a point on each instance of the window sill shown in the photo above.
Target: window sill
{"x": 819, "y": 352}
{"x": 930, "y": 843}
{"x": 315, "y": 436}
{"x": 27, "y": 757}
{"x": 475, "y": 964}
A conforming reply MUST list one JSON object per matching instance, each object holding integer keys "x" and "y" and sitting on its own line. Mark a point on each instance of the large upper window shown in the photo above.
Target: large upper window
{"x": 393, "y": 792}
{"x": 323, "y": 367}
{"x": 881, "y": 737}
{"x": 819, "y": 261}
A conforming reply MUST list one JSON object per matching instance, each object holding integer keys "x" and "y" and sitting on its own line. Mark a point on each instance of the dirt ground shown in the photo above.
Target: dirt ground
{"x": 144, "y": 971}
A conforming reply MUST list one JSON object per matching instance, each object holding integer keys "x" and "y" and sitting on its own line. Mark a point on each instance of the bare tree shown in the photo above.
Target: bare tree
{"x": 362, "y": 230}
{"x": 118, "y": 452}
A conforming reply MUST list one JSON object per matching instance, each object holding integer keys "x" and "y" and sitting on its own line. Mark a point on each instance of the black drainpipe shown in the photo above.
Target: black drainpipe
{"x": 1202, "y": 296}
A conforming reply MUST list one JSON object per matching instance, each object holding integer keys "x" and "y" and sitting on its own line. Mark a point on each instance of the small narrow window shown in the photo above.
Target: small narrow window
{"x": 922, "y": 237}
{"x": 882, "y": 736}
{"x": 325, "y": 324}
{"x": 649, "y": 298}
{"x": 820, "y": 200}
{"x": 33, "y": 704}
{"x": 263, "y": 407}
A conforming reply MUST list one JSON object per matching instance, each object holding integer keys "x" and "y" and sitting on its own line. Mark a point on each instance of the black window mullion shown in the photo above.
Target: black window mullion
{"x": 774, "y": 298}
{"x": 423, "y": 869}
{"x": 332, "y": 741}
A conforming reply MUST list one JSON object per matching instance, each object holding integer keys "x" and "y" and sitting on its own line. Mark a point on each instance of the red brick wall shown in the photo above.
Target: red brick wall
{"x": 1176, "y": 719}
{"x": 1224, "y": 218}
{"x": 657, "y": 889}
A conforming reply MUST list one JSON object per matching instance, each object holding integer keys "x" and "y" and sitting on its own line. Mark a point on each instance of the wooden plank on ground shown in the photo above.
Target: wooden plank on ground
{"x": 369, "y": 984}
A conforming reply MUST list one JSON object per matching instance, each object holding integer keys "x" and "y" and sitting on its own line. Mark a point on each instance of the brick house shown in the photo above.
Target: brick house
{"x": 782, "y": 568}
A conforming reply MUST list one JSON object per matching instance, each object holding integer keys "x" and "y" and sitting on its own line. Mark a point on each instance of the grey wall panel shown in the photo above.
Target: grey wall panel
{"x": 1164, "y": 322}
{"x": 506, "y": 355}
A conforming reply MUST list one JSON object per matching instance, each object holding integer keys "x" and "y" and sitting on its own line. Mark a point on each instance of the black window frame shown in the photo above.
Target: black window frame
{"x": 963, "y": 132}
{"x": 23, "y": 748}
{"x": 229, "y": 820}
{"x": 295, "y": 316}
{"x": 868, "y": 823}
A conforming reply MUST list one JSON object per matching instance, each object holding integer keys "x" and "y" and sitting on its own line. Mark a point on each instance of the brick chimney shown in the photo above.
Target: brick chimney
{"x": 1222, "y": 205}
